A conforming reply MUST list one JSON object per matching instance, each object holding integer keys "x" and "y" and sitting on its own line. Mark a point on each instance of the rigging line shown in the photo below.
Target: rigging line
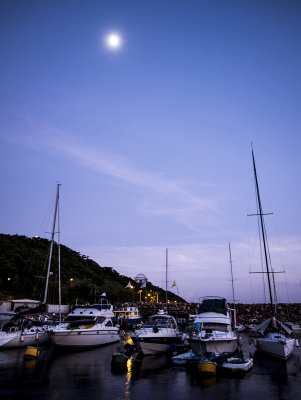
{"x": 47, "y": 216}
{"x": 263, "y": 234}
{"x": 261, "y": 259}
{"x": 272, "y": 269}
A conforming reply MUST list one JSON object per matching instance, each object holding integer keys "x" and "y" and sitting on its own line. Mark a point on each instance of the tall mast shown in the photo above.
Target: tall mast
{"x": 51, "y": 243}
{"x": 233, "y": 294}
{"x": 166, "y": 278}
{"x": 263, "y": 235}
{"x": 232, "y": 280}
{"x": 59, "y": 261}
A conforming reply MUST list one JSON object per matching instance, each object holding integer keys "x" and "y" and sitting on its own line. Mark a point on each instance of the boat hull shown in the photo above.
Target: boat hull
{"x": 156, "y": 344}
{"x": 83, "y": 338}
{"x": 22, "y": 339}
{"x": 213, "y": 346}
{"x": 237, "y": 366}
{"x": 279, "y": 347}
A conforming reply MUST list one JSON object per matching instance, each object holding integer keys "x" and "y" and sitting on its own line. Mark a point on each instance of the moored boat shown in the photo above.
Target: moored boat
{"x": 87, "y": 326}
{"x": 127, "y": 317}
{"x": 272, "y": 337}
{"x": 236, "y": 365}
{"x": 159, "y": 334}
{"x": 212, "y": 328}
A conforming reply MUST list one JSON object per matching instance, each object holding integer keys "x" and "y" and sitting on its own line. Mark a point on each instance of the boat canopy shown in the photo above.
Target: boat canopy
{"x": 272, "y": 323}
{"x": 213, "y": 305}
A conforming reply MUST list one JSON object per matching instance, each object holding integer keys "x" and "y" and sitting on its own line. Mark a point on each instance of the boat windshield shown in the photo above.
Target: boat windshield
{"x": 159, "y": 323}
{"x": 212, "y": 327}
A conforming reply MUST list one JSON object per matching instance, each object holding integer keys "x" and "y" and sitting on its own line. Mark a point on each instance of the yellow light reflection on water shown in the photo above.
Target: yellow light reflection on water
{"x": 127, "y": 391}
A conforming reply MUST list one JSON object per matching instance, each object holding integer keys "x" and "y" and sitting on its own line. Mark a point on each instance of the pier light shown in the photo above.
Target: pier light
{"x": 8, "y": 278}
{"x": 71, "y": 279}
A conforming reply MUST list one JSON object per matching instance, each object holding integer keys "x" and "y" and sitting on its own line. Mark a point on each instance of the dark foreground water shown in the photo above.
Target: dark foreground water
{"x": 88, "y": 375}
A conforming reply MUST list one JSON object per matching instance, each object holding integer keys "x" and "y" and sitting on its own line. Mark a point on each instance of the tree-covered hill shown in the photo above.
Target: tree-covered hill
{"x": 23, "y": 268}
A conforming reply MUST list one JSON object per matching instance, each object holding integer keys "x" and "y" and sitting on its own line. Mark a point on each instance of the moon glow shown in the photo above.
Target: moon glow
{"x": 113, "y": 41}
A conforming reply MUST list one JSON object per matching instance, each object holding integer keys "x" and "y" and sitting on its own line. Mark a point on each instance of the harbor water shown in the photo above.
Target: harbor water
{"x": 78, "y": 375}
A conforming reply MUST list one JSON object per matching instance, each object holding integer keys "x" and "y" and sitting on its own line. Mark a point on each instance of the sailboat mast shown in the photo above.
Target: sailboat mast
{"x": 233, "y": 294}
{"x": 59, "y": 261}
{"x": 263, "y": 234}
{"x": 51, "y": 243}
{"x": 166, "y": 278}
{"x": 232, "y": 280}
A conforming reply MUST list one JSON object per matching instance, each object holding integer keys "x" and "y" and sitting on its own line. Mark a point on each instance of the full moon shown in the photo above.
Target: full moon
{"x": 113, "y": 41}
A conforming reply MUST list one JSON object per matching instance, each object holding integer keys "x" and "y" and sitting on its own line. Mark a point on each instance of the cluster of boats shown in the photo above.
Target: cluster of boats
{"x": 211, "y": 338}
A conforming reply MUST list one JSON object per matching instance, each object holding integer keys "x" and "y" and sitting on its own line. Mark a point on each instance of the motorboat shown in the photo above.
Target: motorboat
{"x": 159, "y": 334}
{"x": 212, "y": 330}
{"x": 127, "y": 317}
{"x": 87, "y": 326}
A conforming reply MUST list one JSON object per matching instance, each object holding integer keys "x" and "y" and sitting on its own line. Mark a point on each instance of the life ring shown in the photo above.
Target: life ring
{"x": 13, "y": 329}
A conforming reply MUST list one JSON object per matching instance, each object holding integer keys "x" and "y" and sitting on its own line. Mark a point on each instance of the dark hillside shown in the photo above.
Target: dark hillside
{"x": 23, "y": 267}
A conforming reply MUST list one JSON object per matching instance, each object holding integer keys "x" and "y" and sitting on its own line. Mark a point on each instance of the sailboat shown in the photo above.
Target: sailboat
{"x": 272, "y": 337}
{"x": 160, "y": 333}
{"x": 21, "y": 331}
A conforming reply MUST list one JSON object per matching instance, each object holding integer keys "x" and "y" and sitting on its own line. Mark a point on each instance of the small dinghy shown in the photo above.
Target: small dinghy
{"x": 191, "y": 357}
{"x": 187, "y": 358}
{"x": 236, "y": 365}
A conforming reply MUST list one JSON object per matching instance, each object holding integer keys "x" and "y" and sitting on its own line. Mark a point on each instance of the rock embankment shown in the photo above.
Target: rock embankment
{"x": 247, "y": 313}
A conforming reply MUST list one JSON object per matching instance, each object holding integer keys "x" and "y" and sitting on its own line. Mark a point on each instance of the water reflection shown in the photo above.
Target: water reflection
{"x": 76, "y": 375}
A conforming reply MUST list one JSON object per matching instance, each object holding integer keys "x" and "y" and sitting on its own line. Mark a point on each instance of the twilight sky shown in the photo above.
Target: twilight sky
{"x": 151, "y": 141}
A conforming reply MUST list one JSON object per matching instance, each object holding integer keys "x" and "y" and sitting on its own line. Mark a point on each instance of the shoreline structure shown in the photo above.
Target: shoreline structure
{"x": 246, "y": 313}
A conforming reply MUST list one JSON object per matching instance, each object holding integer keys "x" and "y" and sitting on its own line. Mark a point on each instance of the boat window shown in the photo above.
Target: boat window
{"x": 216, "y": 327}
{"x": 109, "y": 323}
{"x": 100, "y": 320}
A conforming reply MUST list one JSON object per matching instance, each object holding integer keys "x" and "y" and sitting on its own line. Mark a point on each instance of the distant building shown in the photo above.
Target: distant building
{"x": 141, "y": 278}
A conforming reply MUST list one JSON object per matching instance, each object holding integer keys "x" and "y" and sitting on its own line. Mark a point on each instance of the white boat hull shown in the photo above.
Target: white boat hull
{"x": 149, "y": 343}
{"x": 84, "y": 338}
{"x": 22, "y": 339}
{"x": 276, "y": 345}
{"x": 153, "y": 348}
{"x": 213, "y": 346}
{"x": 236, "y": 366}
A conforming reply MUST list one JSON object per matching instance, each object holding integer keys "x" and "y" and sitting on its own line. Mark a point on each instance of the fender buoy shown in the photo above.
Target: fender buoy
{"x": 13, "y": 329}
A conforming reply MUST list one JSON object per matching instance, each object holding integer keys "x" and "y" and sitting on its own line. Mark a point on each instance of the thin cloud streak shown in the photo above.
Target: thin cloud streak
{"x": 184, "y": 205}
